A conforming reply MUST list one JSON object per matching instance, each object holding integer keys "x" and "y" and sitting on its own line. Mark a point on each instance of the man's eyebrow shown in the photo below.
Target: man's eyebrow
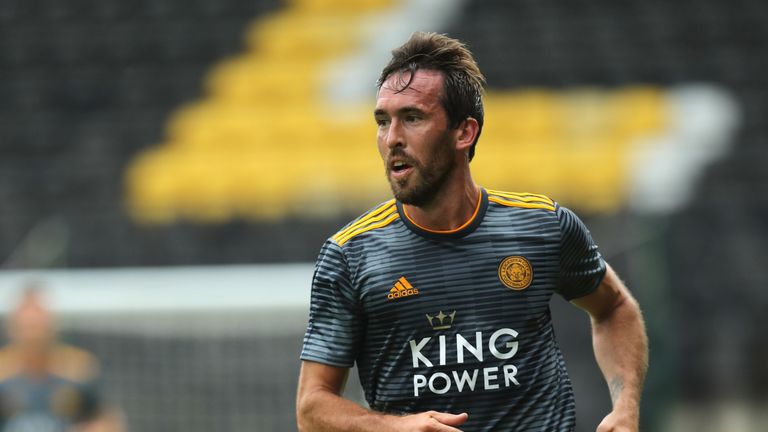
{"x": 401, "y": 111}
{"x": 410, "y": 110}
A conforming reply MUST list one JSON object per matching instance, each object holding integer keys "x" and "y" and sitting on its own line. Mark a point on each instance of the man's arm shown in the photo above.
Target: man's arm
{"x": 320, "y": 407}
{"x": 621, "y": 349}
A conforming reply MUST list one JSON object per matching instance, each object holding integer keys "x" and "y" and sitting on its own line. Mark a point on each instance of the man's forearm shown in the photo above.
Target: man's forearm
{"x": 321, "y": 411}
{"x": 621, "y": 350}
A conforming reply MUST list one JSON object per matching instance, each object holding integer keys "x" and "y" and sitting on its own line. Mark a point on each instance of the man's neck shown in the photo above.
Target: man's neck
{"x": 451, "y": 208}
{"x": 32, "y": 361}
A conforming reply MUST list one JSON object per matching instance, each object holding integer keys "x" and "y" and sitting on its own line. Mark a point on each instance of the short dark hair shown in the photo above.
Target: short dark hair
{"x": 463, "y": 82}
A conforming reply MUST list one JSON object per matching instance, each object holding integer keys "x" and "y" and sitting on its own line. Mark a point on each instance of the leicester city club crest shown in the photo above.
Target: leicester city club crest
{"x": 516, "y": 272}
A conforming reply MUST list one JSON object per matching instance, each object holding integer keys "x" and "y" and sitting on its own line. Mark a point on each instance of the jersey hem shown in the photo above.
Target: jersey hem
{"x": 325, "y": 361}
{"x": 592, "y": 288}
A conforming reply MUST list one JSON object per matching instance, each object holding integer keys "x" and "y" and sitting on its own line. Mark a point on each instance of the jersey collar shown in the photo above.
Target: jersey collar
{"x": 467, "y": 228}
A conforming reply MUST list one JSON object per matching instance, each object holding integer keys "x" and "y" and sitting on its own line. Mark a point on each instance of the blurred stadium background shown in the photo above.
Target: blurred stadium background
{"x": 170, "y": 168}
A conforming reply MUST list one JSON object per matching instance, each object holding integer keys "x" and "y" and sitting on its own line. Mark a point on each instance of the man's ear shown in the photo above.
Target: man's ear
{"x": 466, "y": 133}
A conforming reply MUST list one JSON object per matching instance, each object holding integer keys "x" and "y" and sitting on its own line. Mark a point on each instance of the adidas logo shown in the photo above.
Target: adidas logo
{"x": 402, "y": 288}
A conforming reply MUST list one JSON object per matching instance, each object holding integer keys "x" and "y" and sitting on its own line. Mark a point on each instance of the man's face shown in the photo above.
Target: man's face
{"x": 414, "y": 141}
{"x": 31, "y": 325}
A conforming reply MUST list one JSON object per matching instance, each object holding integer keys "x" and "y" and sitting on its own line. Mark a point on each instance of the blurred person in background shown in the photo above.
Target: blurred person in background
{"x": 441, "y": 295}
{"x": 46, "y": 385}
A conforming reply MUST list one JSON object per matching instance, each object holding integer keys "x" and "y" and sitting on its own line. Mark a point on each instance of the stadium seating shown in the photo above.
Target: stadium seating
{"x": 87, "y": 83}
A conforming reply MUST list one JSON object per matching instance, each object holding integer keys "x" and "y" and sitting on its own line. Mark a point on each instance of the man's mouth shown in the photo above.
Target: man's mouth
{"x": 399, "y": 168}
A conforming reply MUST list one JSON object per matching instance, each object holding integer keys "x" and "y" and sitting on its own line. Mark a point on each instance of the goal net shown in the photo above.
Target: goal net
{"x": 192, "y": 349}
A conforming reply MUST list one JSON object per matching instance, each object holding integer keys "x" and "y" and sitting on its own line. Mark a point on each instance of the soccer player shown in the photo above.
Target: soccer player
{"x": 47, "y": 386}
{"x": 441, "y": 294}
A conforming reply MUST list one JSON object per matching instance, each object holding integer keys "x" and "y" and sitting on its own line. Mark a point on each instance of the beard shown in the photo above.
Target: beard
{"x": 425, "y": 181}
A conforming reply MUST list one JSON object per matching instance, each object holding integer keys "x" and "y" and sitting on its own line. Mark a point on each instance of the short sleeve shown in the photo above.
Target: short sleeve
{"x": 581, "y": 266}
{"x": 335, "y": 323}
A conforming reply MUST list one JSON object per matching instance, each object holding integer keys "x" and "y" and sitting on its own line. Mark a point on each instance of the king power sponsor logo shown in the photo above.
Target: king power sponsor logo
{"x": 501, "y": 345}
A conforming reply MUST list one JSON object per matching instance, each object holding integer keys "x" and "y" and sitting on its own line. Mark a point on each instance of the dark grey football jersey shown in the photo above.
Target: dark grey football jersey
{"x": 455, "y": 321}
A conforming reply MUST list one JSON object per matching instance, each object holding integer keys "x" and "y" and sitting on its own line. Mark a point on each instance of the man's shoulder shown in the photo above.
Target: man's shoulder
{"x": 10, "y": 362}
{"x": 66, "y": 361}
{"x": 524, "y": 200}
{"x": 376, "y": 218}
{"x": 74, "y": 363}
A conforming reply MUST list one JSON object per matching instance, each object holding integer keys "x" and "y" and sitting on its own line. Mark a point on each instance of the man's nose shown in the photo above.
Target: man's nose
{"x": 394, "y": 137}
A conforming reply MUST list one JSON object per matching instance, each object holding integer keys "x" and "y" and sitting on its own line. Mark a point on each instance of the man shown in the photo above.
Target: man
{"x": 46, "y": 386}
{"x": 441, "y": 294}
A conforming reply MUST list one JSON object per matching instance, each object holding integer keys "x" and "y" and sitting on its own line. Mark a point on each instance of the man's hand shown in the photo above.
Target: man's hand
{"x": 432, "y": 421}
{"x": 320, "y": 408}
{"x": 618, "y": 421}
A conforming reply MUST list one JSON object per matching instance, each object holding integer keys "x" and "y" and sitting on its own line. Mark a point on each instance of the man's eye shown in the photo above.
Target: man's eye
{"x": 382, "y": 122}
{"x": 411, "y": 118}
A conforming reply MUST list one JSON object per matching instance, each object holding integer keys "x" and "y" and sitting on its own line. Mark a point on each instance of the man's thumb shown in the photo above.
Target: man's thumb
{"x": 451, "y": 419}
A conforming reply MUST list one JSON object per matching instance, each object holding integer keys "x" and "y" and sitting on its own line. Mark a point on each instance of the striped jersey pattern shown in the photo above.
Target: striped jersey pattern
{"x": 455, "y": 321}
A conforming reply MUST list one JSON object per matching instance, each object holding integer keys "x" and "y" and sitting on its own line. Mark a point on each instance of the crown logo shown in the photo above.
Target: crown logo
{"x": 441, "y": 323}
